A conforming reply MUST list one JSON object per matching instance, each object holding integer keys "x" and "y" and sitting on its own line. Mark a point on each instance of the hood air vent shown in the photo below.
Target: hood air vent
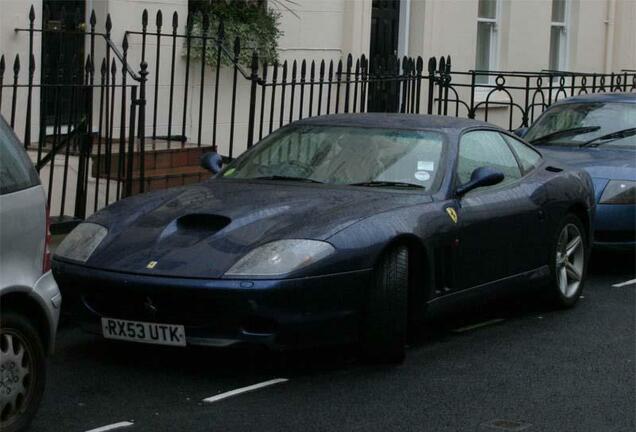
{"x": 201, "y": 223}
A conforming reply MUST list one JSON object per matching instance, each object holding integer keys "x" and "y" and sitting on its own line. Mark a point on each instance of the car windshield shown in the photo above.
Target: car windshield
{"x": 583, "y": 122}
{"x": 358, "y": 156}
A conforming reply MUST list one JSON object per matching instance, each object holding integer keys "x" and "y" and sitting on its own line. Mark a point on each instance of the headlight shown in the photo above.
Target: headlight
{"x": 81, "y": 242}
{"x": 619, "y": 192}
{"x": 280, "y": 257}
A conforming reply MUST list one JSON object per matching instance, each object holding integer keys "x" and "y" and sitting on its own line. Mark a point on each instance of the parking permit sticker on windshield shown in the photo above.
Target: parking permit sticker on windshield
{"x": 422, "y": 175}
{"x": 425, "y": 165}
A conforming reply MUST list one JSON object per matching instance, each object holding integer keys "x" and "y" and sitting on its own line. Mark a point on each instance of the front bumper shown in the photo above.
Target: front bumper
{"x": 615, "y": 226}
{"x": 277, "y": 313}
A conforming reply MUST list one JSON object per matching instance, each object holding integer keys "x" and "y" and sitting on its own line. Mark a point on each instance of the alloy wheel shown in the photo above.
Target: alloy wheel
{"x": 570, "y": 259}
{"x": 16, "y": 375}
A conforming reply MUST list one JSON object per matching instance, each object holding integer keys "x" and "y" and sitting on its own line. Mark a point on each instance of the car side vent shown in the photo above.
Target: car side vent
{"x": 202, "y": 223}
{"x": 553, "y": 169}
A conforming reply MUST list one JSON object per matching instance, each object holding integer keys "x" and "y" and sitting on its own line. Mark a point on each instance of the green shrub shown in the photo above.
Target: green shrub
{"x": 252, "y": 22}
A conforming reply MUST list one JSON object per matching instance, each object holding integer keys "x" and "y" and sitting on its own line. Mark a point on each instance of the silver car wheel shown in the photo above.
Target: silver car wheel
{"x": 16, "y": 383}
{"x": 570, "y": 259}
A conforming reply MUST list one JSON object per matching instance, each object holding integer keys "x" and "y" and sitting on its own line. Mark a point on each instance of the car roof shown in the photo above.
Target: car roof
{"x": 395, "y": 121}
{"x": 624, "y": 97}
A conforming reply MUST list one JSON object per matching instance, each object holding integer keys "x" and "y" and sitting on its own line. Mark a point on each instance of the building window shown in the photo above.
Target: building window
{"x": 558, "y": 35}
{"x": 487, "y": 21}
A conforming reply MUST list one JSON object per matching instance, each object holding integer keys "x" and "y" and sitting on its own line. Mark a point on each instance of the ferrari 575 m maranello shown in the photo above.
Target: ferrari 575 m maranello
{"x": 334, "y": 229}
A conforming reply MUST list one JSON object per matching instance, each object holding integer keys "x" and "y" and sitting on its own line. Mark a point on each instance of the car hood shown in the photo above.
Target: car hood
{"x": 201, "y": 230}
{"x": 600, "y": 162}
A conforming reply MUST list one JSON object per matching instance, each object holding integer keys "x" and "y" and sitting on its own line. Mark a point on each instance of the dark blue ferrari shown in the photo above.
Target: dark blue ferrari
{"x": 335, "y": 229}
{"x": 597, "y": 133}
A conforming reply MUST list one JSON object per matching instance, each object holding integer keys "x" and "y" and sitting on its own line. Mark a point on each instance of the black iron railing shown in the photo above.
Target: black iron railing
{"x": 101, "y": 110}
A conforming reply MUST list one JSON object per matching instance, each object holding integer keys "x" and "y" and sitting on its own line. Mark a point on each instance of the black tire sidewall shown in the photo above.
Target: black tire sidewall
{"x": 21, "y": 325}
{"x": 385, "y": 313}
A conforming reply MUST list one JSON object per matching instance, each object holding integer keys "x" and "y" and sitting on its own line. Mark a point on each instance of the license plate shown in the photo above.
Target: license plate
{"x": 144, "y": 332}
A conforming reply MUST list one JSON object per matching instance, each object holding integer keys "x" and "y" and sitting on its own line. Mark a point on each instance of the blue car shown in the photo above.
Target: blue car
{"x": 597, "y": 133}
{"x": 335, "y": 229}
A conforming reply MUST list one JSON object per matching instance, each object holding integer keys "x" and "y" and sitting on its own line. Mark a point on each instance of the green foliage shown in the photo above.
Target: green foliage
{"x": 254, "y": 25}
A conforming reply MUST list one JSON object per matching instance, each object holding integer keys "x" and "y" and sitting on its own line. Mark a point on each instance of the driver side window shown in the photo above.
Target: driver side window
{"x": 486, "y": 148}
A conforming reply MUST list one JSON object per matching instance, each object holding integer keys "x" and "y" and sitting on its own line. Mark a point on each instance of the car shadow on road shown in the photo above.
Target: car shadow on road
{"x": 613, "y": 263}
{"x": 257, "y": 361}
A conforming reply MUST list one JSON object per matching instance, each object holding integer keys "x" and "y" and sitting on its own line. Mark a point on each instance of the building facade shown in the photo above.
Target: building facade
{"x": 183, "y": 97}
{"x": 592, "y": 36}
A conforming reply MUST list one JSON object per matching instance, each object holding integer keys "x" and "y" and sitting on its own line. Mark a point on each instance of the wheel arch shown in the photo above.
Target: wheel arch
{"x": 580, "y": 211}
{"x": 23, "y": 303}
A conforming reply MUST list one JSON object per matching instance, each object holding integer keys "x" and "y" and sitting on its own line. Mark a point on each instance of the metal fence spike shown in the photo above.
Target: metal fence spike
{"x": 16, "y": 64}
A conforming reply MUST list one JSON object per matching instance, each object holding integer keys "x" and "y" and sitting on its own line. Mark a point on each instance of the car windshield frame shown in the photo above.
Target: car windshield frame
{"x": 437, "y": 176}
{"x": 553, "y": 138}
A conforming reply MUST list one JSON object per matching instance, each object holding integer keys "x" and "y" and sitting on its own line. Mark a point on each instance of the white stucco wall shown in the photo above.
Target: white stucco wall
{"x": 624, "y": 40}
{"x": 329, "y": 29}
{"x": 14, "y": 14}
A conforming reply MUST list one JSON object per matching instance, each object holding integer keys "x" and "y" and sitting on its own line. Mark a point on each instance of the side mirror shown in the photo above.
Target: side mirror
{"x": 521, "y": 132}
{"x": 482, "y": 176}
{"x": 212, "y": 161}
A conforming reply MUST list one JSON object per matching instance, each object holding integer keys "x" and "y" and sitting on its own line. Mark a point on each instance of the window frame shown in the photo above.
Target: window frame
{"x": 524, "y": 172}
{"x": 494, "y": 24}
{"x": 456, "y": 180}
{"x": 564, "y": 58}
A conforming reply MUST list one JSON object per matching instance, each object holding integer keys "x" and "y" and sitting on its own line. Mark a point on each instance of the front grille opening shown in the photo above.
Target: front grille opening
{"x": 259, "y": 325}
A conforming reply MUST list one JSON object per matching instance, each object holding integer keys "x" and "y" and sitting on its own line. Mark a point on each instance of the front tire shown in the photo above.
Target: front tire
{"x": 384, "y": 323}
{"x": 22, "y": 369}
{"x": 568, "y": 263}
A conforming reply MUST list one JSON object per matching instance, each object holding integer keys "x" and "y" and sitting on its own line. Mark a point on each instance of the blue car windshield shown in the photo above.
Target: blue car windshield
{"x": 345, "y": 155}
{"x": 583, "y": 122}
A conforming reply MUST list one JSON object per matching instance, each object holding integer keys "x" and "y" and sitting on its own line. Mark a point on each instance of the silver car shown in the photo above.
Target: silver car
{"x": 29, "y": 298}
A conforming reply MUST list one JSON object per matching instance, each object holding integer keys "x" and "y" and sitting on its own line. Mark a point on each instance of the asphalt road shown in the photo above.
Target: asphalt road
{"x": 527, "y": 368}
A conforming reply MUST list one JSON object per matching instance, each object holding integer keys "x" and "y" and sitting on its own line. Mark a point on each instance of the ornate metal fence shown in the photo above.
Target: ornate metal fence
{"x": 186, "y": 87}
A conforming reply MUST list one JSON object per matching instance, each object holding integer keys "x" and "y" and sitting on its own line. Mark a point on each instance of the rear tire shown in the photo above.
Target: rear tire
{"x": 385, "y": 313}
{"x": 23, "y": 367}
{"x": 568, "y": 263}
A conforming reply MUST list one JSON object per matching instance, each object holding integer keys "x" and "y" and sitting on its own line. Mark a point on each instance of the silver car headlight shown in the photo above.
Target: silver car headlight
{"x": 80, "y": 244}
{"x": 619, "y": 192}
{"x": 280, "y": 257}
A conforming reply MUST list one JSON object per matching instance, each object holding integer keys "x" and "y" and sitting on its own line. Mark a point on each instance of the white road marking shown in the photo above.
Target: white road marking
{"x": 112, "y": 427}
{"x": 622, "y": 284}
{"x": 478, "y": 325}
{"x": 241, "y": 390}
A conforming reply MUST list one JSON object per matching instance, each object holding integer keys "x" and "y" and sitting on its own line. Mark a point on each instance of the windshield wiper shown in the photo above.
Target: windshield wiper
{"x": 566, "y": 132}
{"x": 378, "y": 183}
{"x": 611, "y": 137}
{"x": 287, "y": 178}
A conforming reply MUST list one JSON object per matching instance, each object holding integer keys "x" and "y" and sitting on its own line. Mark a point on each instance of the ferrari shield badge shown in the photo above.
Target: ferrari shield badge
{"x": 452, "y": 214}
{"x": 151, "y": 264}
